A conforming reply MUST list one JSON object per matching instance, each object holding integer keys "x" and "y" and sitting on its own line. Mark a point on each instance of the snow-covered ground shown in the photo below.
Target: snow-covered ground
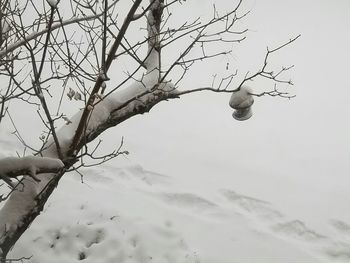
{"x": 130, "y": 214}
{"x": 134, "y": 215}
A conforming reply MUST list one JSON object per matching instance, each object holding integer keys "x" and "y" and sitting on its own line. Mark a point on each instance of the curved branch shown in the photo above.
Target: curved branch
{"x": 12, "y": 167}
{"x": 35, "y": 35}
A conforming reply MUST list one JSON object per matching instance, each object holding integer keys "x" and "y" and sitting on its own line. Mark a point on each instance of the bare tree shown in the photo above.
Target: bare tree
{"x": 48, "y": 60}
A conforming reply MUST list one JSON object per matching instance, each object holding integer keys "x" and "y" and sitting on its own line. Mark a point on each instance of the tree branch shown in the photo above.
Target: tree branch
{"x": 82, "y": 124}
{"x": 12, "y": 167}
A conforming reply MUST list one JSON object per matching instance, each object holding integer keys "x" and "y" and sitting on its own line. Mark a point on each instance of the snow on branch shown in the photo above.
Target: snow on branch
{"x": 111, "y": 55}
{"x": 12, "y": 167}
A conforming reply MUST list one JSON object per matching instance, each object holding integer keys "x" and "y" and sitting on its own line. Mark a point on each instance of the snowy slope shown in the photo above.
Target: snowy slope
{"x": 128, "y": 214}
{"x": 133, "y": 215}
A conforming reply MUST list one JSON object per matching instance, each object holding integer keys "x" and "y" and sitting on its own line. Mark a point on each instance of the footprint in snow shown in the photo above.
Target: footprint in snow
{"x": 188, "y": 200}
{"x": 299, "y": 230}
{"x": 73, "y": 238}
{"x": 251, "y": 205}
{"x": 341, "y": 227}
{"x": 136, "y": 173}
{"x": 339, "y": 251}
{"x": 147, "y": 177}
